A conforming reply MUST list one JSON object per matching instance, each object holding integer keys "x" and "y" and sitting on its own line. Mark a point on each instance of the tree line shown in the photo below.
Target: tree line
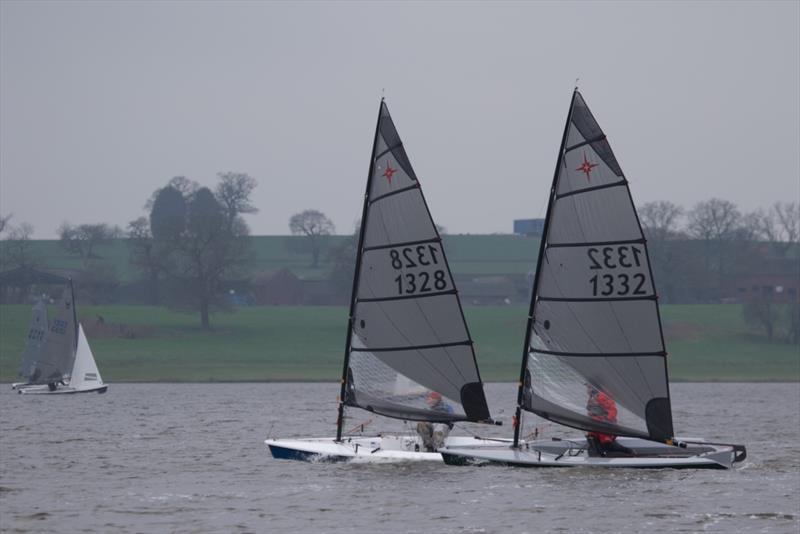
{"x": 192, "y": 242}
{"x": 195, "y": 239}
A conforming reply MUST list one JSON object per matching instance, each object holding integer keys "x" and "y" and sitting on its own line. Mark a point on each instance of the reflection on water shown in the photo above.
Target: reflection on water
{"x": 190, "y": 458}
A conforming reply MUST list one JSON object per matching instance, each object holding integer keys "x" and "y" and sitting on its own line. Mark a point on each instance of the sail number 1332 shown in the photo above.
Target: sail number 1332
{"x": 615, "y": 259}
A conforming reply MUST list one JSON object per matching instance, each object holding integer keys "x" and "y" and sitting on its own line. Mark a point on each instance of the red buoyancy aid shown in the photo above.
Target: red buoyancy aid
{"x": 602, "y": 407}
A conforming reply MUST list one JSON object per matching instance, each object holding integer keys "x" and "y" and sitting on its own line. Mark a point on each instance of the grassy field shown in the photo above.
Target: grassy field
{"x": 705, "y": 342}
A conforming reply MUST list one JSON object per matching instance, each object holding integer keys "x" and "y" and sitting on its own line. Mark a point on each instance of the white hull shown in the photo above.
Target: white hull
{"x": 573, "y": 453}
{"x": 60, "y": 390}
{"x": 386, "y": 448}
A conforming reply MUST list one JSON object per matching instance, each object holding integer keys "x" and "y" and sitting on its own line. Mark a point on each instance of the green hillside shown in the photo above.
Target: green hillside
{"x": 705, "y": 342}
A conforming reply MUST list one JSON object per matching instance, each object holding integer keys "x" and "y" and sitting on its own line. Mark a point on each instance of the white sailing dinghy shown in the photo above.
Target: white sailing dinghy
{"x": 594, "y": 329}
{"x": 407, "y": 340}
{"x": 57, "y": 358}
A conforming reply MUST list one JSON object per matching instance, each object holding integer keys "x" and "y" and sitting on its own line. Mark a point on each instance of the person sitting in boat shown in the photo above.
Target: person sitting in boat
{"x": 434, "y": 434}
{"x": 601, "y": 407}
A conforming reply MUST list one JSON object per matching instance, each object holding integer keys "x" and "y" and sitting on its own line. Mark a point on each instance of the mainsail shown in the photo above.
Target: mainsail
{"x": 407, "y": 335}
{"x": 594, "y": 323}
{"x": 53, "y": 359}
{"x": 37, "y": 330}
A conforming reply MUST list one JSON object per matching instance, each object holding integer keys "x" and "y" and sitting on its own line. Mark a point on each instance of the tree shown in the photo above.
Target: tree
{"x": 168, "y": 214}
{"x": 207, "y": 252}
{"x": 144, "y": 255}
{"x": 233, "y": 192}
{"x": 779, "y": 225}
{"x": 313, "y": 224}
{"x": 343, "y": 259}
{"x": 717, "y": 223}
{"x": 17, "y": 247}
{"x": 4, "y": 222}
{"x": 776, "y": 315}
{"x": 198, "y": 241}
{"x": 660, "y": 223}
{"x": 84, "y": 239}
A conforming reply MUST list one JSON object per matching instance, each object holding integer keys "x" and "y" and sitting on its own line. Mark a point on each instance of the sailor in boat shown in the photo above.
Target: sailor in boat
{"x": 434, "y": 434}
{"x": 601, "y": 407}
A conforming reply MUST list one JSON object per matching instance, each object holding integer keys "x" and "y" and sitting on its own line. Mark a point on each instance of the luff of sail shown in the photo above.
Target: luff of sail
{"x": 595, "y": 323}
{"x": 408, "y": 336}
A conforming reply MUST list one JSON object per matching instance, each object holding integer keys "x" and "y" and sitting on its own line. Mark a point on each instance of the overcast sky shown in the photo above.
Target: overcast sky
{"x": 103, "y": 102}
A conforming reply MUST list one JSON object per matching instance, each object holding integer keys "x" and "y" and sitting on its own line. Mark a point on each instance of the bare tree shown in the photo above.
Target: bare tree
{"x": 717, "y": 223}
{"x": 233, "y": 192}
{"x": 4, "y": 220}
{"x": 144, "y": 254}
{"x": 787, "y": 216}
{"x": 17, "y": 247}
{"x": 84, "y": 239}
{"x": 661, "y": 219}
{"x": 660, "y": 223}
{"x": 313, "y": 224}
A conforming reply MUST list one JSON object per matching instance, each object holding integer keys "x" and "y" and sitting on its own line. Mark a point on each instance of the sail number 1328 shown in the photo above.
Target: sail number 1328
{"x": 420, "y": 257}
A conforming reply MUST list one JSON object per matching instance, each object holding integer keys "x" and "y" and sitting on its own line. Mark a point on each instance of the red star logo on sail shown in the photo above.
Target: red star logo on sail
{"x": 586, "y": 167}
{"x": 389, "y": 172}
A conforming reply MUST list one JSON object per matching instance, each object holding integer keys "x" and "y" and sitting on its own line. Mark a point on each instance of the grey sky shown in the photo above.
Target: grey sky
{"x": 103, "y": 102}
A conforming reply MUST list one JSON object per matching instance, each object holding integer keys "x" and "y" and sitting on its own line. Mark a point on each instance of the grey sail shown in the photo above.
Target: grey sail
{"x": 58, "y": 350}
{"x": 37, "y": 329}
{"x": 595, "y": 322}
{"x": 408, "y": 337}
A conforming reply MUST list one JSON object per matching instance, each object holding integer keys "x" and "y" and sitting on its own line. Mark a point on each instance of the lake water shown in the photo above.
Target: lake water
{"x": 191, "y": 458}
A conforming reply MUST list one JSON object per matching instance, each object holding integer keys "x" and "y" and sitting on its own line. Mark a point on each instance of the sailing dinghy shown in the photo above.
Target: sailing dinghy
{"x": 407, "y": 340}
{"x": 57, "y": 358}
{"x": 594, "y": 357}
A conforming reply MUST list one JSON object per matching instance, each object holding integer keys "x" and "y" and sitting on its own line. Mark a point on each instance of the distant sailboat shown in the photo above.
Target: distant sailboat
{"x": 594, "y": 357}
{"x": 57, "y": 357}
{"x": 407, "y": 340}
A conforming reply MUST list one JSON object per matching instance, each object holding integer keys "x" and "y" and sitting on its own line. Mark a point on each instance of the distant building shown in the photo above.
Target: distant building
{"x": 529, "y": 227}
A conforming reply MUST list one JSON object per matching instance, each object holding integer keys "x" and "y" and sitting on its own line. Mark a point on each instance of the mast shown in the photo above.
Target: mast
{"x": 356, "y": 276}
{"x": 74, "y": 313}
{"x": 526, "y": 346}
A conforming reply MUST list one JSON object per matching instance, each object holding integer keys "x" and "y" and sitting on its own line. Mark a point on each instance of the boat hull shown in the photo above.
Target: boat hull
{"x": 573, "y": 453}
{"x": 375, "y": 449}
{"x": 62, "y": 390}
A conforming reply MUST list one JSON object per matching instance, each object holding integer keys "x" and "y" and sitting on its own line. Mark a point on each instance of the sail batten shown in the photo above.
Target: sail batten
{"x": 590, "y": 189}
{"x": 594, "y": 323}
{"x": 407, "y": 336}
{"x": 392, "y": 193}
{"x": 413, "y": 347}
